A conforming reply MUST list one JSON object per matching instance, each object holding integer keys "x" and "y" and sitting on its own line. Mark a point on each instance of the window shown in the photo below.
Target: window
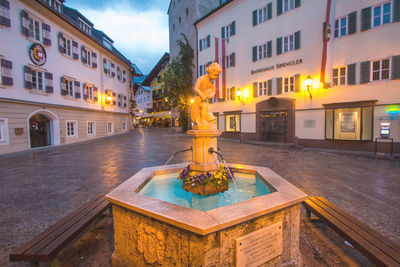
{"x": 288, "y": 83}
{"x": 86, "y": 56}
{"x": 5, "y": 14}
{"x": 110, "y": 127}
{"x": 54, "y": 4}
{"x": 187, "y": 12}
{"x": 380, "y": 69}
{"x": 68, "y": 86}
{"x": 107, "y": 43}
{"x": 34, "y": 28}
{"x": 288, "y": 43}
{"x": 88, "y": 91}
{"x": 71, "y": 128}
{"x": 262, "y": 88}
{"x": 84, "y": 26}
{"x": 203, "y": 68}
{"x": 91, "y": 128}
{"x": 4, "y": 132}
{"x": 230, "y": 60}
{"x": 231, "y": 93}
{"x": 382, "y": 14}
{"x": 341, "y": 27}
{"x": 107, "y": 67}
{"x": 204, "y": 43}
{"x": 37, "y": 80}
{"x": 228, "y": 30}
{"x": 339, "y": 76}
{"x": 232, "y": 123}
{"x": 124, "y": 126}
{"x": 288, "y": 5}
{"x": 67, "y": 44}
{"x": 349, "y": 123}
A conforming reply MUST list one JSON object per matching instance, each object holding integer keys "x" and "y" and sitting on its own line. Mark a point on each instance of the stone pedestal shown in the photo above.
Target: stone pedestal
{"x": 202, "y": 141}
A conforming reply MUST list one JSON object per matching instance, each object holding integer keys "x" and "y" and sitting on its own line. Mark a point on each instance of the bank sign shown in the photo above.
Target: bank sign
{"x": 278, "y": 66}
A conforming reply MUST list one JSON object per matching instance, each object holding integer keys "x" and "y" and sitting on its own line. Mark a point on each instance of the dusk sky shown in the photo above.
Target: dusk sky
{"x": 139, "y": 28}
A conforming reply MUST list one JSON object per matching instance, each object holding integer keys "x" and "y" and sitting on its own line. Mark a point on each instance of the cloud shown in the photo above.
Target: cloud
{"x": 141, "y": 35}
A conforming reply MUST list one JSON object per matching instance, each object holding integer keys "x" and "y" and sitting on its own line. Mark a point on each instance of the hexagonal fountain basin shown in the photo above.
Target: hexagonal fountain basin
{"x": 167, "y": 187}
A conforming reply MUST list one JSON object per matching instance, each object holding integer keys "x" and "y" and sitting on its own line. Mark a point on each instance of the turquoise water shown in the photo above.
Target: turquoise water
{"x": 167, "y": 188}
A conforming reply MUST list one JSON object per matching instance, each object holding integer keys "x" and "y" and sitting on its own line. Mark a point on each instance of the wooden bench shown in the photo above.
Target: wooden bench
{"x": 377, "y": 248}
{"x": 46, "y": 245}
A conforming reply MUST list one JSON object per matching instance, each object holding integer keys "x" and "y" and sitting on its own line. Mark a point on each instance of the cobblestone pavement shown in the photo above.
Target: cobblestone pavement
{"x": 38, "y": 188}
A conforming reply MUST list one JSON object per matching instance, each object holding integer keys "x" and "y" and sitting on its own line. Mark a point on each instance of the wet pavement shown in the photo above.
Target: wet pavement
{"x": 38, "y": 188}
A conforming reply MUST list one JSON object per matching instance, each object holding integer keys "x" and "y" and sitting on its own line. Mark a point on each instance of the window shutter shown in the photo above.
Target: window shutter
{"x": 85, "y": 91}
{"x": 6, "y": 67}
{"x": 95, "y": 94}
{"x": 123, "y": 78}
{"x": 352, "y": 22}
{"x": 114, "y": 95}
{"x": 233, "y": 59}
{"x": 297, "y": 83}
{"x": 46, "y": 34}
{"x": 208, "y": 41}
{"x": 255, "y": 16}
{"x": 270, "y": 87}
{"x": 297, "y": 40}
{"x": 5, "y": 20}
{"x": 75, "y": 54}
{"x": 201, "y": 70}
{"x": 279, "y": 7}
{"x": 254, "y": 53}
{"x": 324, "y": 31}
{"x": 279, "y": 46}
{"x": 112, "y": 70}
{"x": 201, "y": 44}
{"x": 105, "y": 65}
{"x": 125, "y": 101}
{"x": 28, "y": 77}
{"x": 255, "y": 89}
{"x": 233, "y": 27}
{"x": 396, "y": 10}
{"x": 77, "y": 87}
{"x": 351, "y": 74}
{"x": 396, "y": 67}
{"x": 279, "y": 85}
{"x": 94, "y": 60}
{"x": 25, "y": 23}
{"x": 119, "y": 99}
{"x": 83, "y": 54}
{"x": 49, "y": 82}
{"x": 61, "y": 48}
{"x": 297, "y": 3}
{"x": 118, "y": 73}
{"x": 366, "y": 19}
{"x": 365, "y": 71}
{"x": 269, "y": 49}
{"x": 63, "y": 88}
{"x": 223, "y": 32}
{"x": 269, "y": 11}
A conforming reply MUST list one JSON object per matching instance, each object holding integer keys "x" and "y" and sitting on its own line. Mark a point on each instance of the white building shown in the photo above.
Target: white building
{"x": 143, "y": 101}
{"x": 62, "y": 81}
{"x": 269, "y": 48}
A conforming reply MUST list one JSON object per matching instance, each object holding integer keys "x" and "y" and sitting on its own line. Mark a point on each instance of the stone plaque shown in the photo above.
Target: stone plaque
{"x": 19, "y": 131}
{"x": 310, "y": 123}
{"x": 259, "y": 247}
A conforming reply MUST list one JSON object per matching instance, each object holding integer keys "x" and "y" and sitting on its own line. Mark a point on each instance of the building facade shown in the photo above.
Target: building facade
{"x": 316, "y": 73}
{"x": 62, "y": 81}
{"x": 143, "y": 102}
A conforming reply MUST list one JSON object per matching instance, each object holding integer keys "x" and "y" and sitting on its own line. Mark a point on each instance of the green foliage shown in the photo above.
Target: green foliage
{"x": 178, "y": 80}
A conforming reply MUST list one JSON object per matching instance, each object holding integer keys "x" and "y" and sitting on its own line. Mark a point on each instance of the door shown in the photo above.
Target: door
{"x": 273, "y": 126}
{"x": 39, "y": 131}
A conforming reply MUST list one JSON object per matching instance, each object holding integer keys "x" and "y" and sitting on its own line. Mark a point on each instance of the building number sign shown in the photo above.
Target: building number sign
{"x": 37, "y": 54}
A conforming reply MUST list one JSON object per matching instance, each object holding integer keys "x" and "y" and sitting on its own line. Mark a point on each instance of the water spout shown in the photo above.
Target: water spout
{"x": 176, "y": 153}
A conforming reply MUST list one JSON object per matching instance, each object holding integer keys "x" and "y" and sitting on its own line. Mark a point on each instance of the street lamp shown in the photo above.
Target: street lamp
{"x": 308, "y": 84}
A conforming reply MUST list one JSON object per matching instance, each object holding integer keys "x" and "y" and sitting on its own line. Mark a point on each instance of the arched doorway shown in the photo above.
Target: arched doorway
{"x": 39, "y": 131}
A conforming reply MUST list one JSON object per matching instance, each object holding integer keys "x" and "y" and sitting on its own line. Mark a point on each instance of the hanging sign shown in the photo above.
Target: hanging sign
{"x": 37, "y": 54}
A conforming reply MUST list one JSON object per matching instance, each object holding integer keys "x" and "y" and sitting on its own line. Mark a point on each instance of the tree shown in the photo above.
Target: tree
{"x": 178, "y": 80}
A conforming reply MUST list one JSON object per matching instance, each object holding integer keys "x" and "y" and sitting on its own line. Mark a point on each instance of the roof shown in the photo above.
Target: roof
{"x": 72, "y": 16}
{"x": 213, "y": 11}
{"x": 139, "y": 80}
{"x": 137, "y": 70}
{"x": 148, "y": 89}
{"x": 157, "y": 68}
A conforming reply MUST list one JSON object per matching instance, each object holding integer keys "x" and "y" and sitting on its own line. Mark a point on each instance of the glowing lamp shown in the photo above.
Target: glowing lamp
{"x": 108, "y": 98}
{"x": 308, "y": 84}
{"x": 239, "y": 93}
{"x": 191, "y": 101}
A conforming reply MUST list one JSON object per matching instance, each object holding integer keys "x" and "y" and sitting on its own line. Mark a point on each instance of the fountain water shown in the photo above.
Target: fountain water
{"x": 255, "y": 222}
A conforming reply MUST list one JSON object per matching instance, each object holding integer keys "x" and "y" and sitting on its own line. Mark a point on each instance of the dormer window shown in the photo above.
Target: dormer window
{"x": 84, "y": 26}
{"x": 107, "y": 44}
{"x": 56, "y": 4}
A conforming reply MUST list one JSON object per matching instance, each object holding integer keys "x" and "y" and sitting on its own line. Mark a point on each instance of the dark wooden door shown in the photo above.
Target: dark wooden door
{"x": 39, "y": 131}
{"x": 273, "y": 126}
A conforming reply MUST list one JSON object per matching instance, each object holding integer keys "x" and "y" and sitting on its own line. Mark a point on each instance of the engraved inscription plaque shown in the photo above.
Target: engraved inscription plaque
{"x": 259, "y": 247}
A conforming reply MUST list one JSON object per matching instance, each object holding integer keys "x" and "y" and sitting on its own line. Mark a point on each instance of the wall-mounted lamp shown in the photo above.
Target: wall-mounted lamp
{"x": 308, "y": 84}
{"x": 242, "y": 94}
{"x": 191, "y": 101}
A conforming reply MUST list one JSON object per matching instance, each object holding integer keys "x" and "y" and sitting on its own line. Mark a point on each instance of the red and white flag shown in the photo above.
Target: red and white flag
{"x": 327, "y": 51}
{"x": 220, "y": 57}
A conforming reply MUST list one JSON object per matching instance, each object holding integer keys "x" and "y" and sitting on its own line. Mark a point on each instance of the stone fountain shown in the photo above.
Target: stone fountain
{"x": 160, "y": 222}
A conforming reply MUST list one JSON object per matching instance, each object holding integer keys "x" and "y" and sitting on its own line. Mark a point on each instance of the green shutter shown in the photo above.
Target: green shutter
{"x": 208, "y": 41}
{"x": 297, "y": 40}
{"x": 279, "y": 46}
{"x": 365, "y": 72}
{"x": 366, "y": 19}
{"x": 396, "y": 67}
{"x": 233, "y": 59}
{"x": 352, "y": 22}
{"x": 254, "y": 53}
{"x": 297, "y": 3}
{"x": 269, "y": 11}
{"x": 201, "y": 45}
{"x": 255, "y": 86}
{"x": 255, "y": 17}
{"x": 201, "y": 70}
{"x": 233, "y": 28}
{"x": 269, "y": 49}
{"x": 223, "y": 32}
{"x": 351, "y": 74}
{"x": 279, "y": 7}
{"x": 396, "y": 10}
{"x": 297, "y": 83}
{"x": 279, "y": 85}
{"x": 270, "y": 87}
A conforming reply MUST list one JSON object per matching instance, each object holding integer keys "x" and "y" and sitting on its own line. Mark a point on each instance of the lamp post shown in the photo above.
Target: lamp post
{"x": 308, "y": 84}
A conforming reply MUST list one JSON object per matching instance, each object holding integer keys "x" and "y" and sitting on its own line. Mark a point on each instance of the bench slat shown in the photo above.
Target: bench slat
{"x": 53, "y": 248}
{"x": 363, "y": 226}
{"x": 373, "y": 253}
{"x": 29, "y": 255}
{"x": 17, "y": 255}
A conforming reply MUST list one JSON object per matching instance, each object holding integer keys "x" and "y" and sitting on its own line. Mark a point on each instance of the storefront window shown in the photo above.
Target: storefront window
{"x": 349, "y": 123}
{"x": 232, "y": 123}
